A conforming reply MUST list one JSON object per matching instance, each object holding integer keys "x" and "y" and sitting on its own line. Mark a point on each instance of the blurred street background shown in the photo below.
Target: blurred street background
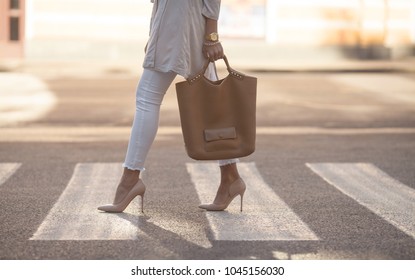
{"x": 333, "y": 174}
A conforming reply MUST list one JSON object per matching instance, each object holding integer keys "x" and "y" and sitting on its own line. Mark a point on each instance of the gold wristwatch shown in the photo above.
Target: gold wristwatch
{"x": 213, "y": 37}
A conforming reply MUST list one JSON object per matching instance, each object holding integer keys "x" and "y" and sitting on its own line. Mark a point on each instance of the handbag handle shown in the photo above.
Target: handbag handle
{"x": 231, "y": 71}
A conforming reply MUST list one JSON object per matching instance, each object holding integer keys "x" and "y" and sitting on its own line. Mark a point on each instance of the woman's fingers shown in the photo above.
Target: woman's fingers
{"x": 213, "y": 52}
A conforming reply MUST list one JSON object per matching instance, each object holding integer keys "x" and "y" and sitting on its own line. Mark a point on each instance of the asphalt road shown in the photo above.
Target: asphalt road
{"x": 57, "y": 167}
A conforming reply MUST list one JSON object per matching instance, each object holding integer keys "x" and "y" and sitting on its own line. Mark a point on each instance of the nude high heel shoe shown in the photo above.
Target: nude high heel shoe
{"x": 138, "y": 189}
{"x": 238, "y": 187}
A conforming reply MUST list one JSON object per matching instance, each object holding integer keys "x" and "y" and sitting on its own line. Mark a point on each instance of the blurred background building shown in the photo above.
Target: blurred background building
{"x": 268, "y": 30}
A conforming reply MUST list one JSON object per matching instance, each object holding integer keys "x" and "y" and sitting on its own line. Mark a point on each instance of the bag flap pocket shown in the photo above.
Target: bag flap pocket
{"x": 220, "y": 134}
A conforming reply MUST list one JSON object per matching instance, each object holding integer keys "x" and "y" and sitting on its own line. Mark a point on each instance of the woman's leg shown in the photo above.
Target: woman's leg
{"x": 228, "y": 174}
{"x": 149, "y": 96}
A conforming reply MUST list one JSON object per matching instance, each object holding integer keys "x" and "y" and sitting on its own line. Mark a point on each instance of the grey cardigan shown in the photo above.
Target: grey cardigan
{"x": 177, "y": 31}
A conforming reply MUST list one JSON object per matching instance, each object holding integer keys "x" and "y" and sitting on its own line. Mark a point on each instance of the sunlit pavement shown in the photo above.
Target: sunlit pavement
{"x": 332, "y": 176}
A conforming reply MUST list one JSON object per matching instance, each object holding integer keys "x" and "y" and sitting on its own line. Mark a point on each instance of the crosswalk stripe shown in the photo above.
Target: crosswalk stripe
{"x": 7, "y": 170}
{"x": 75, "y": 216}
{"x": 374, "y": 189}
{"x": 265, "y": 215}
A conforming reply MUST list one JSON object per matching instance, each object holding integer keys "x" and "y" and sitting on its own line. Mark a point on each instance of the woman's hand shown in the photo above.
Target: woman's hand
{"x": 213, "y": 51}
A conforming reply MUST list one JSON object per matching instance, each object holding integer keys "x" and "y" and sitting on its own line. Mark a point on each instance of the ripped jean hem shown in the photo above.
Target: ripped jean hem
{"x": 224, "y": 162}
{"x": 133, "y": 168}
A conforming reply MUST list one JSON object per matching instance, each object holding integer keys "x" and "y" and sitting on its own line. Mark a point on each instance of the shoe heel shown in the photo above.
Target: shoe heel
{"x": 142, "y": 203}
{"x": 242, "y": 199}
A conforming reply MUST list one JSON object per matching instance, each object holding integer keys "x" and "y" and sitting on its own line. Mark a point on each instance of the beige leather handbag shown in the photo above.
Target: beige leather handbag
{"x": 218, "y": 118}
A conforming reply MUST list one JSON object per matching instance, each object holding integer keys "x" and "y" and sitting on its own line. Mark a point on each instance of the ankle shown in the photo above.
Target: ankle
{"x": 228, "y": 180}
{"x": 229, "y": 173}
{"x": 130, "y": 177}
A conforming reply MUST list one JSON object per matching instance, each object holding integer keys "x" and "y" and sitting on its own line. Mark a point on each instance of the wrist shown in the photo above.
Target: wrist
{"x": 210, "y": 43}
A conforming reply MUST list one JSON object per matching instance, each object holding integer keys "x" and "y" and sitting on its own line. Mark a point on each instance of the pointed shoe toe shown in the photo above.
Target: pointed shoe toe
{"x": 109, "y": 208}
{"x": 212, "y": 207}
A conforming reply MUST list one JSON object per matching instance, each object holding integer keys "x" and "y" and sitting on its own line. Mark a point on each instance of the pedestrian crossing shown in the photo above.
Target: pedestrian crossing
{"x": 266, "y": 217}
{"x": 273, "y": 220}
{"x": 75, "y": 217}
{"x": 374, "y": 189}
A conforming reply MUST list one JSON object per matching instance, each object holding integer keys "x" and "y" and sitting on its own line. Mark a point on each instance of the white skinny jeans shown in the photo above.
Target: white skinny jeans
{"x": 149, "y": 95}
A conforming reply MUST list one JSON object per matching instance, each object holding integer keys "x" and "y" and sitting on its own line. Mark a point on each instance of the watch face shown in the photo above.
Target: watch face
{"x": 212, "y": 37}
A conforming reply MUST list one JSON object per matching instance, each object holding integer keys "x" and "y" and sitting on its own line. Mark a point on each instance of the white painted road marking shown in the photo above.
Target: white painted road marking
{"x": 374, "y": 189}
{"x": 265, "y": 215}
{"x": 7, "y": 170}
{"x": 75, "y": 215}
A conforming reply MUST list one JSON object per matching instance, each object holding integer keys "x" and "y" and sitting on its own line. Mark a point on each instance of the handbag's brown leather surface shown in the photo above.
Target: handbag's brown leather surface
{"x": 218, "y": 118}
